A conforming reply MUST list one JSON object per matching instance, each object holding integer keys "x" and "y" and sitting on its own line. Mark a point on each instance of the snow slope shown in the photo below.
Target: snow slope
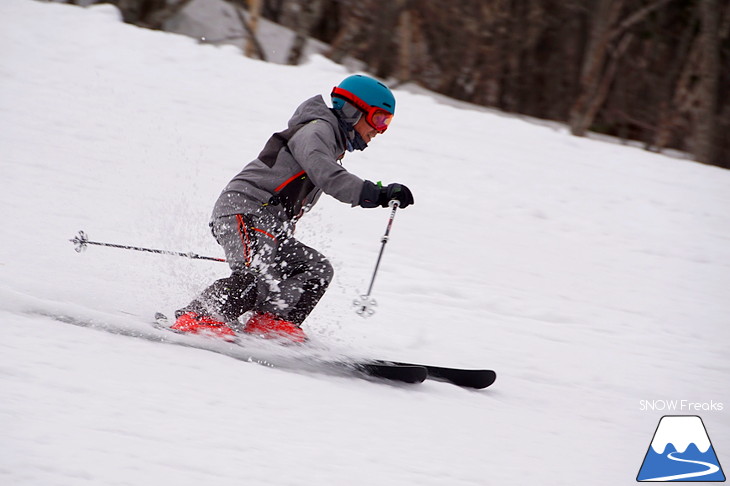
{"x": 590, "y": 275}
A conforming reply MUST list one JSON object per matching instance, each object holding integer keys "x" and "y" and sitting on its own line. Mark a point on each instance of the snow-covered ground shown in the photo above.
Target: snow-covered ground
{"x": 590, "y": 275}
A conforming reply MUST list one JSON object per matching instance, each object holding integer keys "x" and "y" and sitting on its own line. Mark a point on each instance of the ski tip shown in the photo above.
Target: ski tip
{"x": 477, "y": 379}
{"x": 486, "y": 379}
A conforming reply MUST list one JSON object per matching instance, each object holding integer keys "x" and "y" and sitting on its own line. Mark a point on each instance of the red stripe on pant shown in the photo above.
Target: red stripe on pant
{"x": 243, "y": 233}
{"x": 246, "y": 239}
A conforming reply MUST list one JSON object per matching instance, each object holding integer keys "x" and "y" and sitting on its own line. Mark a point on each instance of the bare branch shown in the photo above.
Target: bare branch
{"x": 249, "y": 30}
{"x": 635, "y": 18}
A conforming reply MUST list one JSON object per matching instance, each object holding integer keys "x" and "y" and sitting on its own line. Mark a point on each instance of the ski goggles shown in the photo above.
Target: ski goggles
{"x": 376, "y": 117}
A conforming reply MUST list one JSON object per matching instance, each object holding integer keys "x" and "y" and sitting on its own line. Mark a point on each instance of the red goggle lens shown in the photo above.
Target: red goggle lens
{"x": 379, "y": 120}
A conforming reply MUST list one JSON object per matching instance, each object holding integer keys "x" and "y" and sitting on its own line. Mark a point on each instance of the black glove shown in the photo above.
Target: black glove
{"x": 374, "y": 195}
{"x": 399, "y": 192}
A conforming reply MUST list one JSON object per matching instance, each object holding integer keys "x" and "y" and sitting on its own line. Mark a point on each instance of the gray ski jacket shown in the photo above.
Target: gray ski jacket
{"x": 294, "y": 168}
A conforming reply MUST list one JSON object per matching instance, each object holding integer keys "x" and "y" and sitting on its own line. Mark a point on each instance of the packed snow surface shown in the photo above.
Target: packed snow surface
{"x": 592, "y": 276}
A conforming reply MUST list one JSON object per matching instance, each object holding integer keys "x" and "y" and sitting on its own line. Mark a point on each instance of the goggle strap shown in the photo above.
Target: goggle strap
{"x": 350, "y": 98}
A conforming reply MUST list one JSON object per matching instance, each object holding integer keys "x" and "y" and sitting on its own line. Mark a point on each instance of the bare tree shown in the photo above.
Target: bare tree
{"x": 609, "y": 40}
{"x": 405, "y": 41}
{"x": 252, "y": 45}
{"x": 705, "y": 123}
{"x": 354, "y": 30}
{"x": 305, "y": 14}
{"x": 674, "y": 105}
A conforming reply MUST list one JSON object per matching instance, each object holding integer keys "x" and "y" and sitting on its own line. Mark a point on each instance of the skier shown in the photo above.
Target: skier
{"x": 274, "y": 275}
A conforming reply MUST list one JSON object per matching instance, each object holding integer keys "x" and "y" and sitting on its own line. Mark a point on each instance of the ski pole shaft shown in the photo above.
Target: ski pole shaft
{"x": 383, "y": 240}
{"x": 80, "y": 242}
{"x": 365, "y": 303}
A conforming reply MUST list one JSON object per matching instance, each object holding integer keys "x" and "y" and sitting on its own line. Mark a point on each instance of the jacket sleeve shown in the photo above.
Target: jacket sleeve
{"x": 315, "y": 148}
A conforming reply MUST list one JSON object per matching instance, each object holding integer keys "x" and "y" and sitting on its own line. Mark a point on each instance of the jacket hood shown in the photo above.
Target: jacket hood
{"x": 316, "y": 109}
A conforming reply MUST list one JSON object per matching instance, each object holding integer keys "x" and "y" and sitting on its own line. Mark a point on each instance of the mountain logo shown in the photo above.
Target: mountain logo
{"x": 681, "y": 451}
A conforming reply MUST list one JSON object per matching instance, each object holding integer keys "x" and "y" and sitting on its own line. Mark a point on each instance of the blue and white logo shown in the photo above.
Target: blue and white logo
{"x": 681, "y": 451}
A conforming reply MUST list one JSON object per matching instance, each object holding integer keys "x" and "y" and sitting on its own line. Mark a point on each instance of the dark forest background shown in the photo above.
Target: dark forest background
{"x": 654, "y": 71}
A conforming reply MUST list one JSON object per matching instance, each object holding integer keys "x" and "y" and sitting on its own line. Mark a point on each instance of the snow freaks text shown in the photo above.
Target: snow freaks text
{"x": 679, "y": 406}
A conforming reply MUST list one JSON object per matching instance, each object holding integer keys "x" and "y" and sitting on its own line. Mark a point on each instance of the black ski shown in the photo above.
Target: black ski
{"x": 468, "y": 378}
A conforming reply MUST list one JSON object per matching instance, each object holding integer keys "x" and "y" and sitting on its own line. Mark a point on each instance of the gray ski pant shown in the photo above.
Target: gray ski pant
{"x": 289, "y": 277}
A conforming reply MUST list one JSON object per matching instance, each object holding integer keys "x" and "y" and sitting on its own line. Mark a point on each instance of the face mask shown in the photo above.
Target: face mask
{"x": 357, "y": 143}
{"x": 353, "y": 139}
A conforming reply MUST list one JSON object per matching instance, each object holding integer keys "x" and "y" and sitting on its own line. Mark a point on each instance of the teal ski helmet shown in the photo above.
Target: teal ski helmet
{"x": 370, "y": 96}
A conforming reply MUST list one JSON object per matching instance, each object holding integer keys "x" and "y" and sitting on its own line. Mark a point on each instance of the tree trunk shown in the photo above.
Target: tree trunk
{"x": 405, "y": 36}
{"x": 254, "y": 9}
{"x": 604, "y": 84}
{"x": 705, "y": 122}
{"x": 594, "y": 60}
{"x": 353, "y": 32}
{"x": 305, "y": 15}
{"x": 668, "y": 114}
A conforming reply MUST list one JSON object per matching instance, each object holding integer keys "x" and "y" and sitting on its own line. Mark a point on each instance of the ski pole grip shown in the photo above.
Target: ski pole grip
{"x": 393, "y": 203}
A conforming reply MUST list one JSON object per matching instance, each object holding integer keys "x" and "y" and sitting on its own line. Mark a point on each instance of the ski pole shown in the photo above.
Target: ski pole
{"x": 365, "y": 304}
{"x": 80, "y": 242}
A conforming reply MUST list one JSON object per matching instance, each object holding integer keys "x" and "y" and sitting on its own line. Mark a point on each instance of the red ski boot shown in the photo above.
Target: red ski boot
{"x": 194, "y": 323}
{"x": 269, "y": 326}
